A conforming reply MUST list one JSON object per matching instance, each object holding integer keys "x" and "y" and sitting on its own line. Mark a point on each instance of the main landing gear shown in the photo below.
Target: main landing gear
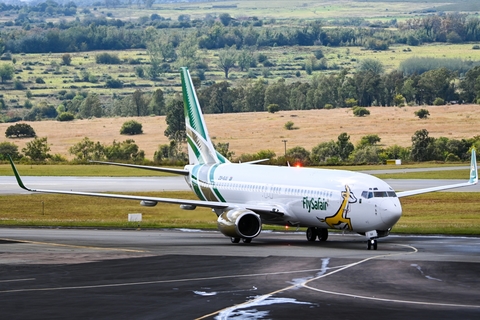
{"x": 237, "y": 240}
{"x": 314, "y": 232}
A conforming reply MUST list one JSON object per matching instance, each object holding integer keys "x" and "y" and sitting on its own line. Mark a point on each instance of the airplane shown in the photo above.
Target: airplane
{"x": 245, "y": 196}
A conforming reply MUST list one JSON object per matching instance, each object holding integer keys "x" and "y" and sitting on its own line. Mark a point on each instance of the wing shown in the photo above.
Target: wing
{"x": 472, "y": 181}
{"x": 169, "y": 170}
{"x": 268, "y": 211}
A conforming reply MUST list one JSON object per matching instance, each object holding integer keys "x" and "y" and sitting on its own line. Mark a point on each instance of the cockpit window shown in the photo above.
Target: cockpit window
{"x": 378, "y": 194}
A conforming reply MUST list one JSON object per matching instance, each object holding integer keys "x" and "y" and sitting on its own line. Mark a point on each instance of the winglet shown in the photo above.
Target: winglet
{"x": 17, "y": 176}
{"x": 473, "y": 168}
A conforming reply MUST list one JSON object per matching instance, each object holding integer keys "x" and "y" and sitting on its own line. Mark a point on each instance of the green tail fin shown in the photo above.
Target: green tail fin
{"x": 200, "y": 147}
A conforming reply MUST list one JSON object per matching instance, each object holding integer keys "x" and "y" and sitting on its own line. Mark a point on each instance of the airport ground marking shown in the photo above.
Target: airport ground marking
{"x": 72, "y": 245}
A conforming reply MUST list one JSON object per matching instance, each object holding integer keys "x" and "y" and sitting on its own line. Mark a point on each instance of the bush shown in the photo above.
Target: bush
{"x": 107, "y": 58}
{"x": 65, "y": 116}
{"x": 18, "y": 85}
{"x": 290, "y": 126}
{"x": 360, "y": 112}
{"x": 272, "y": 108}
{"x": 112, "y": 83}
{"x": 9, "y": 148}
{"x": 20, "y": 130}
{"x": 422, "y": 113}
{"x": 438, "y": 102}
{"x": 39, "y": 80}
{"x": 131, "y": 127}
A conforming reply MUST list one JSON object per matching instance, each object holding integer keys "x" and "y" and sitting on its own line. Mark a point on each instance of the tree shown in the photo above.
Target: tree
{"x": 223, "y": 149}
{"x": 187, "y": 51}
{"x": 298, "y": 155}
{"x": 7, "y": 148}
{"x": 422, "y": 113}
{"x": 6, "y": 72}
{"x": 225, "y": 19}
{"x": 126, "y": 150}
{"x": 245, "y": 59}
{"x": 175, "y": 119}
{"x": 369, "y": 140}
{"x": 226, "y": 59}
{"x": 87, "y": 150}
{"x": 131, "y": 127}
{"x": 322, "y": 152}
{"x": 20, "y": 130}
{"x": 37, "y": 149}
{"x": 66, "y": 59}
{"x": 91, "y": 107}
{"x": 366, "y": 155}
{"x": 139, "y": 103}
{"x": 371, "y": 65}
{"x": 422, "y": 146}
{"x": 344, "y": 146}
{"x": 157, "y": 103}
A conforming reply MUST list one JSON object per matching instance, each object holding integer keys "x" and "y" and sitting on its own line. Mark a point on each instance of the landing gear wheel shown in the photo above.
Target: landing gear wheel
{"x": 311, "y": 234}
{"x": 372, "y": 243}
{"x": 322, "y": 234}
{"x": 247, "y": 240}
{"x": 235, "y": 240}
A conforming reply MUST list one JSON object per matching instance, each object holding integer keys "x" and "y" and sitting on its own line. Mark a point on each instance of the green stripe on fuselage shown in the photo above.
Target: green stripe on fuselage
{"x": 212, "y": 183}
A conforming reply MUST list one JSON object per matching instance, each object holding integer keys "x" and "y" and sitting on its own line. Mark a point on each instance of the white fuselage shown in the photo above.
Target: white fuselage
{"x": 308, "y": 197}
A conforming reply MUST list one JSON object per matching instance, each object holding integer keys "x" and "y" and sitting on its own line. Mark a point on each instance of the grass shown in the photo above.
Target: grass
{"x": 454, "y": 213}
{"x": 261, "y": 130}
{"x": 78, "y": 171}
{"x": 93, "y": 170}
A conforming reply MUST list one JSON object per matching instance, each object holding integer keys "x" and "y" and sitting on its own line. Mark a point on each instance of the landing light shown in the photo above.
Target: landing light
{"x": 286, "y": 227}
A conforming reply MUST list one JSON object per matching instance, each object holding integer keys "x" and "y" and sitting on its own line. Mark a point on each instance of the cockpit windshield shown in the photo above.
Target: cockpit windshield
{"x": 378, "y": 194}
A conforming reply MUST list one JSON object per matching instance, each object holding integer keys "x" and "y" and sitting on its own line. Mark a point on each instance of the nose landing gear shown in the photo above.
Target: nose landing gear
{"x": 371, "y": 239}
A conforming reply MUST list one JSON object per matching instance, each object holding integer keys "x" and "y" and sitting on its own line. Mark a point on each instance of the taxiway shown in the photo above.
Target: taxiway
{"x": 192, "y": 274}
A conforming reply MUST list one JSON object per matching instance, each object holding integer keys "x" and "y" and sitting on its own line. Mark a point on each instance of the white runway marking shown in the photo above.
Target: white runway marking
{"x": 17, "y": 280}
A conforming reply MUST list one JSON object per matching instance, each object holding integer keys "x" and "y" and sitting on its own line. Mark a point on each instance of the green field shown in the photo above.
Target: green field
{"x": 456, "y": 213}
{"x": 113, "y": 171}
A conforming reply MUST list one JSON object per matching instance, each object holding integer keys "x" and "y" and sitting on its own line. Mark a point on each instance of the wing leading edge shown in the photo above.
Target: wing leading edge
{"x": 262, "y": 210}
{"x": 472, "y": 181}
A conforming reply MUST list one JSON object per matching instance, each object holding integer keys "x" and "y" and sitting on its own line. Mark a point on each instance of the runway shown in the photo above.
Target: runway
{"x": 192, "y": 274}
{"x": 8, "y": 184}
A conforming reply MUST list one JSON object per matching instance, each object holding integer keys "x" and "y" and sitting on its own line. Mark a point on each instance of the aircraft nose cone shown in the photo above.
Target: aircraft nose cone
{"x": 390, "y": 211}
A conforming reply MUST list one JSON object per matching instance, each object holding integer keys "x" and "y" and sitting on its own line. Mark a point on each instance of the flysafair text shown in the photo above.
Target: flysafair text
{"x": 244, "y": 196}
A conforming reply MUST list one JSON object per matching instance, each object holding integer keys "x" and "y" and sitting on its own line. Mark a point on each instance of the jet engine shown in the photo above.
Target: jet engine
{"x": 147, "y": 203}
{"x": 240, "y": 223}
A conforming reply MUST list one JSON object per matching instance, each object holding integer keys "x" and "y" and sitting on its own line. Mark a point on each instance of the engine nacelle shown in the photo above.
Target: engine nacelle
{"x": 147, "y": 203}
{"x": 239, "y": 223}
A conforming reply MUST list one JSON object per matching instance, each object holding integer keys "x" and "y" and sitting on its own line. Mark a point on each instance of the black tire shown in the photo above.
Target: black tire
{"x": 375, "y": 244}
{"x": 322, "y": 234}
{"x": 247, "y": 240}
{"x": 369, "y": 245}
{"x": 235, "y": 240}
{"x": 311, "y": 234}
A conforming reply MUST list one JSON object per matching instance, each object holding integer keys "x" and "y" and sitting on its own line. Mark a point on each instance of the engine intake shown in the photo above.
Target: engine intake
{"x": 239, "y": 223}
